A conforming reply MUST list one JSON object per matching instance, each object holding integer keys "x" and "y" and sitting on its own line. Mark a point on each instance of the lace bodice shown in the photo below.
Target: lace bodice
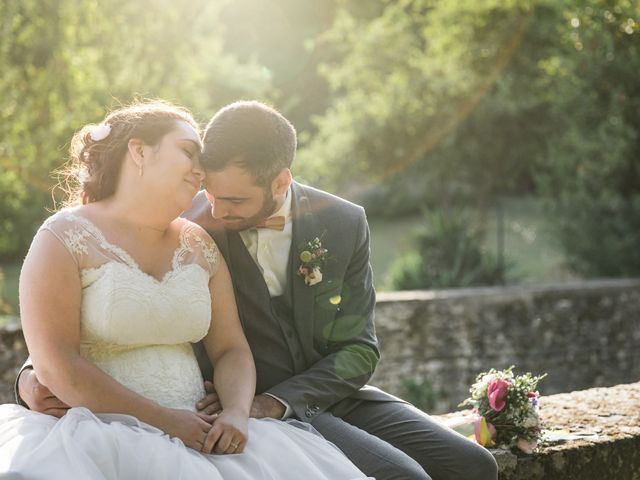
{"x": 135, "y": 327}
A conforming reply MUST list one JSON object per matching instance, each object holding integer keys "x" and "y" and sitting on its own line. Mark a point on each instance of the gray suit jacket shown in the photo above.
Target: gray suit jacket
{"x": 334, "y": 319}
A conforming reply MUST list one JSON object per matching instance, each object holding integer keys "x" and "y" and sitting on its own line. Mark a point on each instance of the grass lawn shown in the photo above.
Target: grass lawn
{"x": 529, "y": 244}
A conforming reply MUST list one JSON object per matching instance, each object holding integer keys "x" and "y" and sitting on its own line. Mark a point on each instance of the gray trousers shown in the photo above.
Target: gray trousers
{"x": 396, "y": 441}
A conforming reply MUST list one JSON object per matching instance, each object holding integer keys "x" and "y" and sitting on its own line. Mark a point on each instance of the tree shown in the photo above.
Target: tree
{"x": 407, "y": 81}
{"x": 590, "y": 171}
{"x": 467, "y": 101}
{"x": 65, "y": 61}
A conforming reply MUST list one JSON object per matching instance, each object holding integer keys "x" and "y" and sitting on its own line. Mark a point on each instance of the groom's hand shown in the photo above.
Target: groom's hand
{"x": 210, "y": 404}
{"x": 37, "y": 396}
{"x": 267, "y": 406}
{"x": 263, "y": 405}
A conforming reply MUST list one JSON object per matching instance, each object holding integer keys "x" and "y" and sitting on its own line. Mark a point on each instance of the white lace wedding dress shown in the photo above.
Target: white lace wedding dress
{"x": 139, "y": 330}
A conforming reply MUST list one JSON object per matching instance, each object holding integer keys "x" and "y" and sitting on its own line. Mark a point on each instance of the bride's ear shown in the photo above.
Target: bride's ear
{"x": 135, "y": 148}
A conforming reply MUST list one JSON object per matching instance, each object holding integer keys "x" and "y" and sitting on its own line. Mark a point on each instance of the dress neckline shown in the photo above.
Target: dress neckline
{"x": 123, "y": 255}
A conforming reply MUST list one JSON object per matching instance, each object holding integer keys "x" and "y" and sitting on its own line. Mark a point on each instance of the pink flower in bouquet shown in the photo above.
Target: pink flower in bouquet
{"x": 497, "y": 393}
{"x": 511, "y": 401}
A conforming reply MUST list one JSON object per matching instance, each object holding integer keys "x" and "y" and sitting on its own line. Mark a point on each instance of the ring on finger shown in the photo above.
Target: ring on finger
{"x": 235, "y": 445}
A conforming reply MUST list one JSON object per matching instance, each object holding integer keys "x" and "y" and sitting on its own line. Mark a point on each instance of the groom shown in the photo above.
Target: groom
{"x": 299, "y": 259}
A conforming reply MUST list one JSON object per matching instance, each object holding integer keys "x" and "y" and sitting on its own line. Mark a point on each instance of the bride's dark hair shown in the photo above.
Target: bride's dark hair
{"x": 97, "y": 151}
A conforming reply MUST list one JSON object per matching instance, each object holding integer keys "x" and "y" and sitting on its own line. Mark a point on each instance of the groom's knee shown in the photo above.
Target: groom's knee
{"x": 470, "y": 461}
{"x": 480, "y": 465}
{"x": 392, "y": 471}
{"x": 391, "y": 464}
{"x": 488, "y": 467}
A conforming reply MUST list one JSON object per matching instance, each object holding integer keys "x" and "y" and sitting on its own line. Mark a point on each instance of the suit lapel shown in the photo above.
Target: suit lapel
{"x": 304, "y": 229}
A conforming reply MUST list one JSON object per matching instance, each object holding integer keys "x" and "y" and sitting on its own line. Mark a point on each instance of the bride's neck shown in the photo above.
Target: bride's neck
{"x": 143, "y": 219}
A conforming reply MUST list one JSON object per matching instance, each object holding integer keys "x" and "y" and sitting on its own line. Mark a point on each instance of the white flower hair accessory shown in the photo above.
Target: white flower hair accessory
{"x": 100, "y": 132}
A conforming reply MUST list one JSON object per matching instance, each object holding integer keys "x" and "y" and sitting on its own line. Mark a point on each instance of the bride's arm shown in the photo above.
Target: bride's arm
{"x": 234, "y": 371}
{"x": 50, "y": 298}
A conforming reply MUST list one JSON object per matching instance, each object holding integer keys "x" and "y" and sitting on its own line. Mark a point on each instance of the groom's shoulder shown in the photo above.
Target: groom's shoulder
{"x": 200, "y": 213}
{"x": 323, "y": 202}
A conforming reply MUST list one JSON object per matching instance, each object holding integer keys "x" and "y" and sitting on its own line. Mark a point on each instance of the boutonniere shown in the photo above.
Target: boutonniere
{"x": 312, "y": 257}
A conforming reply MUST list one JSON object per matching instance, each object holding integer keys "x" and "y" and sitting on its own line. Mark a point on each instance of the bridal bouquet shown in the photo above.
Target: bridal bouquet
{"x": 506, "y": 409}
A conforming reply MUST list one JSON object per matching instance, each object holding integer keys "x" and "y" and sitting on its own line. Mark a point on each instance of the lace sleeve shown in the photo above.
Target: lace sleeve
{"x": 71, "y": 234}
{"x": 196, "y": 246}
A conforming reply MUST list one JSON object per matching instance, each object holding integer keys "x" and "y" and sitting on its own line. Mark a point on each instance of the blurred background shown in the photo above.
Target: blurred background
{"x": 491, "y": 141}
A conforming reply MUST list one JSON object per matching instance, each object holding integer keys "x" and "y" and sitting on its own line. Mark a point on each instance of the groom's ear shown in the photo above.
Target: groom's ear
{"x": 282, "y": 182}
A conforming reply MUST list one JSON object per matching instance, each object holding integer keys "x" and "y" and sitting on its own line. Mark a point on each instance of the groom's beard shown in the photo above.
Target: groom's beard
{"x": 238, "y": 224}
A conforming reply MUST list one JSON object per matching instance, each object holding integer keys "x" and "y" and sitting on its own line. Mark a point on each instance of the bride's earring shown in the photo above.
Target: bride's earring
{"x": 141, "y": 166}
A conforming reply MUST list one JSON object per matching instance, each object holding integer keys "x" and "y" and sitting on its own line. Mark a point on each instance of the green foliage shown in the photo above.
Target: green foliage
{"x": 406, "y": 82}
{"x": 64, "y": 62}
{"x": 421, "y": 394}
{"x": 600, "y": 234}
{"x": 469, "y": 97}
{"x": 10, "y": 273}
{"x": 590, "y": 172}
{"x": 449, "y": 253}
{"x": 482, "y": 98}
{"x": 401, "y": 195}
{"x": 434, "y": 103}
{"x": 5, "y": 308}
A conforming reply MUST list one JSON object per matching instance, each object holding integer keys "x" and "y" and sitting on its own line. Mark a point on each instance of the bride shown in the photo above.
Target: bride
{"x": 113, "y": 292}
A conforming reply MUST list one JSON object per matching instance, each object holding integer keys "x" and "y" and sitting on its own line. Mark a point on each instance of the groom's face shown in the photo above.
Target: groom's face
{"x": 236, "y": 200}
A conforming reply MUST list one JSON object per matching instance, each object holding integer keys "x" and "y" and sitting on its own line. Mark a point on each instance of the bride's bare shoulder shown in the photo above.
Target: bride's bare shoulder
{"x": 195, "y": 240}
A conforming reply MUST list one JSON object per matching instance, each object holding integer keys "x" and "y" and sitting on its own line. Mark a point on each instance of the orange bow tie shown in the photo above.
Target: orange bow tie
{"x": 274, "y": 223}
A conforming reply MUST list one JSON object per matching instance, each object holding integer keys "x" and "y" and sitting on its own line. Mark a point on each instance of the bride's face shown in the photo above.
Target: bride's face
{"x": 173, "y": 165}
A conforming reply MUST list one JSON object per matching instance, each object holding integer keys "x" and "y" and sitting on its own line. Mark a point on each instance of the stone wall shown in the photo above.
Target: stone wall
{"x": 584, "y": 334}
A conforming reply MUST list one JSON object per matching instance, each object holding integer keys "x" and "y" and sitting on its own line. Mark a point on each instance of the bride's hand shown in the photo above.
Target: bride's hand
{"x": 229, "y": 433}
{"x": 210, "y": 404}
{"x": 191, "y": 428}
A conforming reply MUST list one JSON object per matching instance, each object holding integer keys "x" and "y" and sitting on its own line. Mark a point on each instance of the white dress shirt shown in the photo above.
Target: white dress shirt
{"x": 270, "y": 249}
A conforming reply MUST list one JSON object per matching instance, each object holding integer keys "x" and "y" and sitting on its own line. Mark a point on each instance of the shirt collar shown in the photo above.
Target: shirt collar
{"x": 285, "y": 209}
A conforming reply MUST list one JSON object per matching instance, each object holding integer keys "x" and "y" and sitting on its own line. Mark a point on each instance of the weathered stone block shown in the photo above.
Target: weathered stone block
{"x": 609, "y": 419}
